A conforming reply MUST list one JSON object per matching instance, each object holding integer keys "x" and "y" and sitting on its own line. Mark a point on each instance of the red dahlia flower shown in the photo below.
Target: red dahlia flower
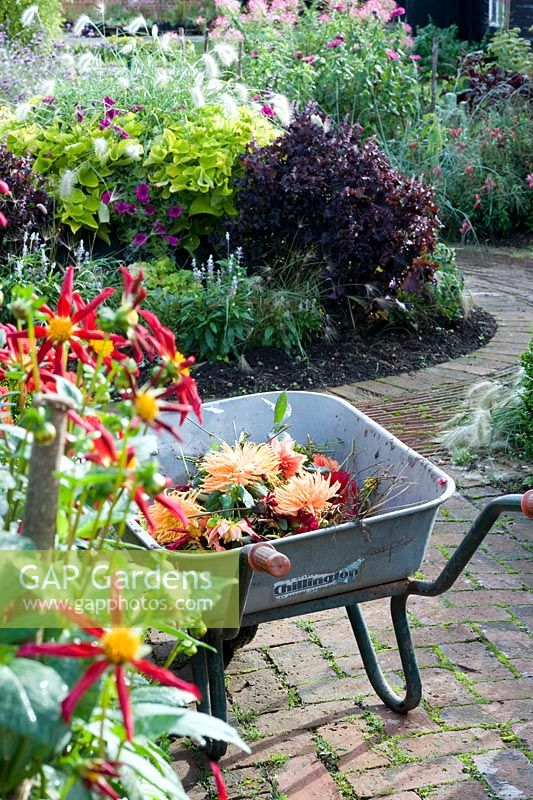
{"x": 64, "y": 328}
{"x": 95, "y": 775}
{"x": 105, "y": 454}
{"x": 114, "y": 649}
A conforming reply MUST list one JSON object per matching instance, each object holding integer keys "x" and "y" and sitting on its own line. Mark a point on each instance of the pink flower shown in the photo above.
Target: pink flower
{"x": 139, "y": 239}
{"x": 159, "y": 228}
{"x": 338, "y": 8}
{"x": 397, "y": 12}
{"x": 489, "y": 184}
{"x": 325, "y": 17}
{"x": 477, "y": 199}
{"x": 106, "y": 198}
{"x": 466, "y": 227}
{"x": 392, "y": 54}
{"x": 49, "y": 100}
{"x": 437, "y": 171}
{"x": 267, "y": 111}
{"x": 455, "y": 132}
{"x": 254, "y": 53}
{"x": 530, "y": 180}
{"x": 142, "y": 192}
{"x": 121, "y": 131}
{"x": 227, "y": 531}
{"x": 150, "y": 210}
{"x": 309, "y": 59}
{"x": 104, "y": 123}
{"x": 173, "y": 241}
{"x": 336, "y": 42}
{"x": 469, "y": 169}
{"x": 415, "y": 57}
{"x": 175, "y": 212}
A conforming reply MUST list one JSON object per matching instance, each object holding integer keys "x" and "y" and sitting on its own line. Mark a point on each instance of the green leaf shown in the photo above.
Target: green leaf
{"x": 280, "y": 409}
{"x": 201, "y": 726}
{"x": 68, "y": 391}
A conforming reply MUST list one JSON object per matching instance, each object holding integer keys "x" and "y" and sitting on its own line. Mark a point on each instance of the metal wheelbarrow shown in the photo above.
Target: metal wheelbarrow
{"x": 346, "y": 565}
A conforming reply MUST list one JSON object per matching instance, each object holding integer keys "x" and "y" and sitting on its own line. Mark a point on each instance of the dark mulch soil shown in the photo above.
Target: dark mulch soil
{"x": 357, "y": 356}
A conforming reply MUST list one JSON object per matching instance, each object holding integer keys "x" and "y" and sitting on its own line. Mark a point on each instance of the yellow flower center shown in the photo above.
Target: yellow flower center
{"x": 60, "y": 329}
{"x": 121, "y": 644}
{"x": 147, "y": 406}
{"x": 101, "y": 346}
{"x": 179, "y": 358}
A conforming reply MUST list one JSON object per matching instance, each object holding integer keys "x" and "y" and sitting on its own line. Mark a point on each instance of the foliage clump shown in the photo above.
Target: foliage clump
{"x": 323, "y": 193}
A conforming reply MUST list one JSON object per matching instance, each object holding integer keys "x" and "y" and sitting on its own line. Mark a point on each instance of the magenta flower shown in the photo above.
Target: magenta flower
{"x": 175, "y": 212}
{"x": 325, "y": 17}
{"x": 339, "y": 8}
{"x": 397, "y": 12}
{"x": 49, "y": 100}
{"x": 125, "y": 208}
{"x": 530, "y": 180}
{"x": 137, "y": 108}
{"x": 173, "y": 241}
{"x": 254, "y": 53}
{"x": 267, "y": 111}
{"x": 106, "y": 198}
{"x": 415, "y": 57}
{"x": 139, "y": 239}
{"x": 466, "y": 227}
{"x": 104, "y": 123}
{"x": 80, "y": 116}
{"x": 392, "y": 54}
{"x": 159, "y": 228}
{"x": 309, "y": 59}
{"x": 142, "y": 192}
{"x": 150, "y": 210}
{"x": 108, "y": 102}
{"x": 336, "y": 42}
{"x": 132, "y": 208}
{"x": 455, "y": 132}
{"x": 121, "y": 131}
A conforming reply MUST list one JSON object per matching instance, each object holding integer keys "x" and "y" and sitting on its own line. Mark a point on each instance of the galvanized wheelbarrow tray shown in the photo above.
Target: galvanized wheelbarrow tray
{"x": 344, "y": 565}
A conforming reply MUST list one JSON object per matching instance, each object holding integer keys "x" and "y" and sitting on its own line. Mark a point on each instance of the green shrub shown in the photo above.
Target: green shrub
{"x": 450, "y": 49}
{"x": 218, "y": 311}
{"x": 511, "y": 51}
{"x": 47, "y": 19}
{"x": 478, "y": 164}
{"x": 355, "y": 66}
{"x": 525, "y": 437}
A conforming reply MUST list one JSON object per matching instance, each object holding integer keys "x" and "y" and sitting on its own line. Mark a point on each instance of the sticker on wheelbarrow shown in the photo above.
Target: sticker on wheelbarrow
{"x": 313, "y": 583}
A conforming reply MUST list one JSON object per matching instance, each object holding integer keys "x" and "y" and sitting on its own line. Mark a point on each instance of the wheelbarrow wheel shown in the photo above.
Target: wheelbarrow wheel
{"x": 215, "y": 750}
{"x": 244, "y": 637}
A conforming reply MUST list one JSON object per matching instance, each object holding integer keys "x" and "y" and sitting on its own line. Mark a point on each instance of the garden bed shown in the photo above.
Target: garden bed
{"x": 356, "y": 356}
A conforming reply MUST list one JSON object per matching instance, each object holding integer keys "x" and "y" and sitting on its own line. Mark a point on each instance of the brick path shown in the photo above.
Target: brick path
{"x": 298, "y": 691}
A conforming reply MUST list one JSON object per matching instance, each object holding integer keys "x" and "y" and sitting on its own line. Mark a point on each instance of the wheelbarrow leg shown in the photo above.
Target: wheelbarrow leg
{"x": 413, "y": 683}
{"x": 200, "y": 678}
{"x": 217, "y": 691}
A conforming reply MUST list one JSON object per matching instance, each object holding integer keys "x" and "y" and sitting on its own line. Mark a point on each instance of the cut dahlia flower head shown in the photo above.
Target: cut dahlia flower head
{"x": 117, "y": 649}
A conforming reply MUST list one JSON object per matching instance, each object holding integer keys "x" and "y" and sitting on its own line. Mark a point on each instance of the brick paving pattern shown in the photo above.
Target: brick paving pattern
{"x": 299, "y": 693}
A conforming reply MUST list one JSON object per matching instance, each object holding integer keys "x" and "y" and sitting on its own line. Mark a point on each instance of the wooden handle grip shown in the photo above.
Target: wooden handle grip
{"x": 265, "y": 558}
{"x": 527, "y": 503}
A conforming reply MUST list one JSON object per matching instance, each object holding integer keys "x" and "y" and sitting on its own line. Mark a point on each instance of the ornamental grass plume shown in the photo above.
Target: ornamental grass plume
{"x": 310, "y": 492}
{"x": 242, "y": 465}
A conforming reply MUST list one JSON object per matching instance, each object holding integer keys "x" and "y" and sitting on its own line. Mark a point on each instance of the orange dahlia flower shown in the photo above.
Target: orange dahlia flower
{"x": 242, "y": 465}
{"x": 309, "y": 492}
{"x": 168, "y": 527}
{"x": 290, "y": 462}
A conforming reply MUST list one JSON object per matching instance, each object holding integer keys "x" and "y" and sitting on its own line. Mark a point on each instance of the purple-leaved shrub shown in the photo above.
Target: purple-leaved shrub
{"x": 323, "y": 194}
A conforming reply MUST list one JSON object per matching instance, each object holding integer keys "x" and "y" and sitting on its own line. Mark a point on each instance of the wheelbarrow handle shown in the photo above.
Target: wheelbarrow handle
{"x": 265, "y": 558}
{"x": 527, "y": 503}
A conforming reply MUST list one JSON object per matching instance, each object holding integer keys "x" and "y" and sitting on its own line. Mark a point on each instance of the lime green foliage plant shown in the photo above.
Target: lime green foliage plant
{"x": 511, "y": 51}
{"x": 26, "y": 19}
{"x": 146, "y": 151}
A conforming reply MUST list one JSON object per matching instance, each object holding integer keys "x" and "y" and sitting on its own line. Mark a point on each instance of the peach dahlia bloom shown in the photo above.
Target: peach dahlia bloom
{"x": 320, "y": 460}
{"x": 242, "y": 465}
{"x": 167, "y": 527}
{"x": 290, "y": 462}
{"x": 309, "y": 492}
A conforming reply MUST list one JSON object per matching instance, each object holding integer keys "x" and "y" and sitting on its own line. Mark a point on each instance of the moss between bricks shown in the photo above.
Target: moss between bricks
{"x": 327, "y": 654}
{"x": 445, "y": 663}
{"x": 495, "y": 650}
{"x": 293, "y": 698}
